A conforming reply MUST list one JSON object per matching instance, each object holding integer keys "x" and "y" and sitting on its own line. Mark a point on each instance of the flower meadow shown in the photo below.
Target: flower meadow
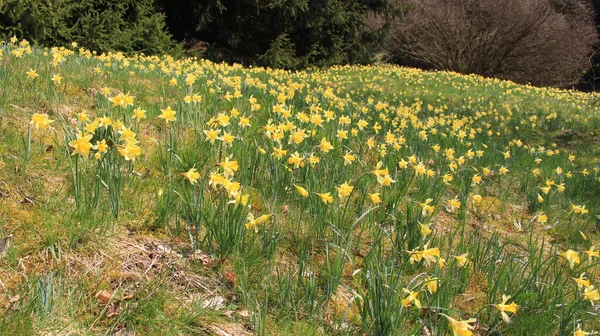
{"x": 144, "y": 195}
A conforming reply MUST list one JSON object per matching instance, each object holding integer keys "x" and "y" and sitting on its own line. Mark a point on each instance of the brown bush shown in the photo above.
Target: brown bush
{"x": 542, "y": 42}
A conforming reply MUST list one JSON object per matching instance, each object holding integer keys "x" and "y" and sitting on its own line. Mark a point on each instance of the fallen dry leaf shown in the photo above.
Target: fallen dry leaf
{"x": 215, "y": 302}
{"x": 204, "y": 258}
{"x": 244, "y": 313}
{"x": 4, "y": 244}
{"x": 230, "y": 277}
{"x": 104, "y": 296}
{"x": 15, "y": 298}
{"x": 27, "y": 200}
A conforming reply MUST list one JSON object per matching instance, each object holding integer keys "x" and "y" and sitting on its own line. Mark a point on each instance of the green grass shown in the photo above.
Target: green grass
{"x": 125, "y": 243}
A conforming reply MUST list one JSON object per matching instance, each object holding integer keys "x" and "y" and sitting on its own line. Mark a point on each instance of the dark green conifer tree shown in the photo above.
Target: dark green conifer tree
{"x": 279, "y": 33}
{"x": 102, "y": 25}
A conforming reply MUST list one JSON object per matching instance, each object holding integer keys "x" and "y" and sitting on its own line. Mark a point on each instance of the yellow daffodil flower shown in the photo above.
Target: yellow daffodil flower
{"x": 506, "y": 308}
{"x": 168, "y": 114}
{"x": 82, "y": 144}
{"x": 303, "y": 192}
{"x": 571, "y": 256}
{"x": 192, "y": 175}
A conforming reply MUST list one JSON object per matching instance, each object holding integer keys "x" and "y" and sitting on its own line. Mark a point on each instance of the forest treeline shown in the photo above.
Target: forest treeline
{"x": 542, "y": 42}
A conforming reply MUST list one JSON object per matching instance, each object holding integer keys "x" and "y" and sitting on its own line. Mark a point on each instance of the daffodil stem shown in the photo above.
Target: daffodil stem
{"x": 220, "y": 152}
{"x": 28, "y": 145}
{"x": 167, "y": 156}
{"x": 76, "y": 182}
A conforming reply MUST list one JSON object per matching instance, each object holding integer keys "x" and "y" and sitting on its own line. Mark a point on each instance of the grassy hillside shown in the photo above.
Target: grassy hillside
{"x": 153, "y": 196}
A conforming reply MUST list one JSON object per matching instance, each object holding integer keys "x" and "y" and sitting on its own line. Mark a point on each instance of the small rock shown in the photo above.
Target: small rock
{"x": 164, "y": 249}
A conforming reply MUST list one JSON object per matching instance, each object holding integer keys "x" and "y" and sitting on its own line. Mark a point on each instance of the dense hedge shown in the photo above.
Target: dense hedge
{"x": 102, "y": 25}
{"x": 542, "y": 42}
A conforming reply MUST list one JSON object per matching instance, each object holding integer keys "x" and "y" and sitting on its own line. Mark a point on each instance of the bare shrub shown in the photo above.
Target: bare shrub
{"x": 542, "y": 42}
